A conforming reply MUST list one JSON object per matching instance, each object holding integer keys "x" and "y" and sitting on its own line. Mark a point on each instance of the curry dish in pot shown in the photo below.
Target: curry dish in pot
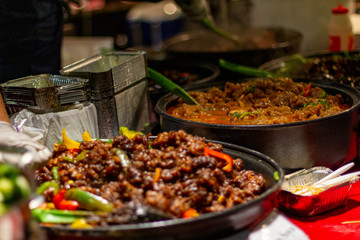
{"x": 259, "y": 102}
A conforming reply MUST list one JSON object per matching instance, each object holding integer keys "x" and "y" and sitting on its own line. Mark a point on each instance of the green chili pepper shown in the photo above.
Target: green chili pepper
{"x": 67, "y": 159}
{"x": 81, "y": 156}
{"x": 325, "y": 103}
{"x": 55, "y": 173}
{"x": 235, "y": 114}
{"x": 124, "y": 159}
{"x": 52, "y": 216}
{"x": 323, "y": 94}
{"x": 88, "y": 200}
{"x": 276, "y": 176}
{"x": 46, "y": 185}
{"x": 244, "y": 114}
{"x": 309, "y": 104}
{"x": 61, "y": 216}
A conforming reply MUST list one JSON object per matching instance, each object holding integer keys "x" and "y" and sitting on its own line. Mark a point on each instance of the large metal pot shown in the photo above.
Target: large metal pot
{"x": 329, "y": 141}
{"x": 259, "y": 45}
{"x": 207, "y": 226}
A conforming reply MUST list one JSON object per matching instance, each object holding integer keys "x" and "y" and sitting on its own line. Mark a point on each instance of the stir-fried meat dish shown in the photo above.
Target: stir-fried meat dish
{"x": 173, "y": 175}
{"x": 344, "y": 70}
{"x": 260, "y": 101}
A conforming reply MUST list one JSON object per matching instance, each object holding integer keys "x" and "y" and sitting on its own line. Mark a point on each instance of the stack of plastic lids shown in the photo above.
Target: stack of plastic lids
{"x": 44, "y": 92}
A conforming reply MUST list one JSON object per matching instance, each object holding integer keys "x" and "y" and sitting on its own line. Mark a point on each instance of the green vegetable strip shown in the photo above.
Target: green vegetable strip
{"x": 67, "y": 159}
{"x": 56, "y": 175}
{"x": 49, "y": 216}
{"x": 323, "y": 94}
{"x": 46, "y": 185}
{"x": 276, "y": 176}
{"x": 81, "y": 156}
{"x": 235, "y": 114}
{"x": 88, "y": 200}
{"x": 171, "y": 86}
{"x": 325, "y": 103}
{"x": 244, "y": 114}
{"x": 209, "y": 23}
{"x": 250, "y": 71}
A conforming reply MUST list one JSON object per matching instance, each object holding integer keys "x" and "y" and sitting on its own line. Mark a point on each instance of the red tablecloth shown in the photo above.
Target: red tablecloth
{"x": 329, "y": 225}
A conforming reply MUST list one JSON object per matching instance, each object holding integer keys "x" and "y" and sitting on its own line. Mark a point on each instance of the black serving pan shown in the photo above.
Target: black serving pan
{"x": 329, "y": 141}
{"x": 341, "y": 67}
{"x": 207, "y": 226}
{"x": 205, "y": 45}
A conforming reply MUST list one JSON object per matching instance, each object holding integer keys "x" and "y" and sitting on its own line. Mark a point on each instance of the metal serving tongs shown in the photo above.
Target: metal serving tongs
{"x": 171, "y": 86}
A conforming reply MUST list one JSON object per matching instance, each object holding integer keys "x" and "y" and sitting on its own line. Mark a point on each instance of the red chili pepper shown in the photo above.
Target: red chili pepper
{"x": 228, "y": 167}
{"x": 61, "y": 203}
{"x": 190, "y": 213}
{"x": 306, "y": 91}
{"x": 58, "y": 197}
{"x": 74, "y": 150}
{"x": 68, "y": 205}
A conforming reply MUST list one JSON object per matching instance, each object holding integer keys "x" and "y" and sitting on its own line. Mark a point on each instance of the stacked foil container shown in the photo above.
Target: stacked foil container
{"x": 44, "y": 93}
{"x": 118, "y": 87}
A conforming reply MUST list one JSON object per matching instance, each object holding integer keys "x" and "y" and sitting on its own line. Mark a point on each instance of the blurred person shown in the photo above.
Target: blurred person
{"x": 30, "y": 37}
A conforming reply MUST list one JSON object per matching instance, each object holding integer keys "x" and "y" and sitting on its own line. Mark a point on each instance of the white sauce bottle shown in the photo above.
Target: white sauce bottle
{"x": 341, "y": 36}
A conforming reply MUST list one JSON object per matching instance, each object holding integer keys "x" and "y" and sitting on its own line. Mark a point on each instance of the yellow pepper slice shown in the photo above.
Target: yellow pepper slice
{"x": 68, "y": 142}
{"x": 129, "y": 133}
{"x": 80, "y": 223}
{"x": 86, "y": 136}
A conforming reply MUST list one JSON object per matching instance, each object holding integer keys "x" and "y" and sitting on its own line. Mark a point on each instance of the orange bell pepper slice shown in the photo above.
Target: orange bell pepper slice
{"x": 190, "y": 213}
{"x": 228, "y": 167}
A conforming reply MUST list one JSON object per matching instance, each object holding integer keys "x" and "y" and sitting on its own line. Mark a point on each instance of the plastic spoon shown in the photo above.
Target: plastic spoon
{"x": 336, "y": 173}
{"x": 171, "y": 86}
{"x": 339, "y": 179}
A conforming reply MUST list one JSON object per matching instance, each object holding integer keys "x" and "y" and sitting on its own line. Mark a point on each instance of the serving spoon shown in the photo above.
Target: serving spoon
{"x": 171, "y": 86}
